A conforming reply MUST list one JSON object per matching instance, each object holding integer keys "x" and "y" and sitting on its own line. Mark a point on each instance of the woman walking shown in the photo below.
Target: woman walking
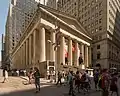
{"x": 37, "y": 79}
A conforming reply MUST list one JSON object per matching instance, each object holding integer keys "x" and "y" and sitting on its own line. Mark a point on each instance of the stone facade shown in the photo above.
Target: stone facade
{"x": 37, "y": 45}
{"x": 101, "y": 19}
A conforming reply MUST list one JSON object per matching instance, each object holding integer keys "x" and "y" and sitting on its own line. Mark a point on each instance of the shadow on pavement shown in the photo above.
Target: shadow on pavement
{"x": 45, "y": 91}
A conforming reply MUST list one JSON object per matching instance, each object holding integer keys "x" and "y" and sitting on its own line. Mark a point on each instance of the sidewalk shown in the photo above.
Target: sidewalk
{"x": 42, "y": 80}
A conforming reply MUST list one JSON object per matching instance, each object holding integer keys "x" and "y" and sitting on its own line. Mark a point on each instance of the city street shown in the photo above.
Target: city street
{"x": 14, "y": 87}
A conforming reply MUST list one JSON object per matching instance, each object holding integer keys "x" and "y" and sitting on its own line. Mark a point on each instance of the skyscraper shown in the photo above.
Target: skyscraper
{"x": 19, "y": 16}
{"x": 51, "y": 3}
{"x": 101, "y": 18}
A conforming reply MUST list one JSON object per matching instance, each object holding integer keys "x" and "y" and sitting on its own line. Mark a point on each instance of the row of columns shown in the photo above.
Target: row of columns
{"x": 26, "y": 55}
{"x": 31, "y": 52}
{"x": 85, "y": 50}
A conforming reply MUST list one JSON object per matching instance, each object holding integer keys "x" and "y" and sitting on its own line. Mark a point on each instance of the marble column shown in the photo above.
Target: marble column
{"x": 90, "y": 56}
{"x": 26, "y": 54}
{"x": 70, "y": 52}
{"x": 76, "y": 54}
{"x": 34, "y": 47}
{"x": 86, "y": 56}
{"x": 22, "y": 56}
{"x": 62, "y": 51}
{"x": 52, "y": 51}
{"x": 30, "y": 58}
{"x": 83, "y": 52}
{"x": 42, "y": 44}
{"x": 83, "y": 56}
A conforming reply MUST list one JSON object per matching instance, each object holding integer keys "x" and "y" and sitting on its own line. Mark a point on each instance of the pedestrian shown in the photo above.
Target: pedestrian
{"x": 105, "y": 82}
{"x": 59, "y": 78}
{"x": 96, "y": 79}
{"x": 113, "y": 85}
{"x": 30, "y": 75}
{"x": 5, "y": 74}
{"x": 37, "y": 79}
{"x": 71, "y": 81}
{"x": 77, "y": 81}
{"x": 118, "y": 85}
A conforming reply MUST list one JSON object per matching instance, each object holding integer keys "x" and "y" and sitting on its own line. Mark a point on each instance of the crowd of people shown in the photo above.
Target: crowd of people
{"x": 107, "y": 81}
{"x": 104, "y": 81}
{"x": 76, "y": 81}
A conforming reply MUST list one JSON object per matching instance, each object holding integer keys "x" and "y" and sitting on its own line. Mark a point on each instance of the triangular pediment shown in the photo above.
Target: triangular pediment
{"x": 71, "y": 21}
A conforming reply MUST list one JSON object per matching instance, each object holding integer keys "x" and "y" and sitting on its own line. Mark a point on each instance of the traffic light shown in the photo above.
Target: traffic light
{"x": 80, "y": 60}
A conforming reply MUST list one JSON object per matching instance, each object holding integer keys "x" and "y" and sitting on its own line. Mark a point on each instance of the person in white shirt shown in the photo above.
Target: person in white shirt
{"x": 5, "y": 74}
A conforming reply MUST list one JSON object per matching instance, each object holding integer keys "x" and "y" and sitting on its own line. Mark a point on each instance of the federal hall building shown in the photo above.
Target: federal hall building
{"x": 52, "y": 41}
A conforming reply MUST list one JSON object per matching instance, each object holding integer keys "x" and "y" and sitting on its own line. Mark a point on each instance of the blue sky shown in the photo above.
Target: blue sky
{"x": 3, "y": 15}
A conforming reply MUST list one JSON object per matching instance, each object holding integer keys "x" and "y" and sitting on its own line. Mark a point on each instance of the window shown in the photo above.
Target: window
{"x": 96, "y": 30}
{"x": 82, "y": 3}
{"x": 85, "y": 7}
{"x": 92, "y": 17}
{"x": 92, "y": 24}
{"x": 100, "y": 4}
{"x": 98, "y": 46}
{"x": 88, "y": 26}
{"x": 13, "y": 44}
{"x": 96, "y": 0}
{"x": 12, "y": 1}
{"x": 96, "y": 22}
{"x": 92, "y": 31}
{"x": 98, "y": 55}
{"x": 96, "y": 7}
{"x": 100, "y": 20}
{"x": 96, "y": 14}
{"x": 88, "y": 5}
{"x": 92, "y": 3}
{"x": 85, "y": 14}
{"x": 100, "y": 28}
{"x": 100, "y": 12}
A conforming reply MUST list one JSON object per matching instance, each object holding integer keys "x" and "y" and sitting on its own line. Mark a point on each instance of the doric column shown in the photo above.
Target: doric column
{"x": 26, "y": 54}
{"x": 52, "y": 51}
{"x": 29, "y": 49}
{"x": 42, "y": 44}
{"x": 22, "y": 56}
{"x": 62, "y": 52}
{"x": 70, "y": 52}
{"x": 76, "y": 53}
{"x": 90, "y": 55}
{"x": 86, "y": 56}
{"x": 34, "y": 46}
{"x": 82, "y": 51}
